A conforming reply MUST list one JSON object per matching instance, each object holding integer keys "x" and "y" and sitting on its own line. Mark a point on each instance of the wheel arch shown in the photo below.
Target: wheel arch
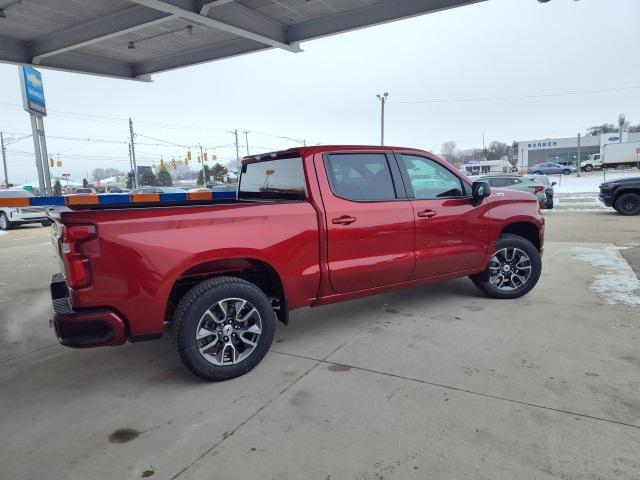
{"x": 527, "y": 230}
{"x": 258, "y": 272}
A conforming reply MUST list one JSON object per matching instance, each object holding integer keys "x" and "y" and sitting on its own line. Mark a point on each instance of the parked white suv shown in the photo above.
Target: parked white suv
{"x": 11, "y": 217}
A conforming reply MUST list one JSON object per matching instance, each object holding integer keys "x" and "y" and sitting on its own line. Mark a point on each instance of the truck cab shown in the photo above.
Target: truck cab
{"x": 591, "y": 163}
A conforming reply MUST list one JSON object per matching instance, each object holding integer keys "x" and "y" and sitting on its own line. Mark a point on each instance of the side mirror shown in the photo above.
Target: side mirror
{"x": 480, "y": 190}
{"x": 554, "y": 183}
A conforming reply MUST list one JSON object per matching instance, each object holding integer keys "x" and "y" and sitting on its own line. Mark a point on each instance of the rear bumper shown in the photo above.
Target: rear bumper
{"x": 86, "y": 328}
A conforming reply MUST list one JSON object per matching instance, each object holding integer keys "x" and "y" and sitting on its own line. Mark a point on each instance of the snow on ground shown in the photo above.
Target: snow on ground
{"x": 2, "y": 232}
{"x": 586, "y": 182}
{"x": 578, "y": 202}
{"x": 619, "y": 284}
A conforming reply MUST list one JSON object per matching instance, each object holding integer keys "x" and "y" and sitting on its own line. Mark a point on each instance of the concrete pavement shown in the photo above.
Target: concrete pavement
{"x": 435, "y": 382}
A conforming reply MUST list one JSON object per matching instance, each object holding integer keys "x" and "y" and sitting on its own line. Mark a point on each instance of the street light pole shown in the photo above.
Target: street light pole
{"x": 383, "y": 100}
{"x": 4, "y": 161}
{"x": 578, "y": 169}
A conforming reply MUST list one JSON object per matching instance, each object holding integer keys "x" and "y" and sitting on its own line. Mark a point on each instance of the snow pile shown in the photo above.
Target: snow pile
{"x": 619, "y": 284}
{"x": 586, "y": 182}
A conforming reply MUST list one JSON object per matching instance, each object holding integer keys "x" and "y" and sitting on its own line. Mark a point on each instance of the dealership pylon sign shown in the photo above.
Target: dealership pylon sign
{"x": 34, "y": 103}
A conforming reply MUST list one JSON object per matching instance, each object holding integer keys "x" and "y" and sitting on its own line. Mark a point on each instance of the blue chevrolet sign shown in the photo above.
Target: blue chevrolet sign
{"x": 32, "y": 91}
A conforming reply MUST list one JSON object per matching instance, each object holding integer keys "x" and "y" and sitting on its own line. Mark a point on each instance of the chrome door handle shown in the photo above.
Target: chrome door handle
{"x": 427, "y": 213}
{"x": 343, "y": 220}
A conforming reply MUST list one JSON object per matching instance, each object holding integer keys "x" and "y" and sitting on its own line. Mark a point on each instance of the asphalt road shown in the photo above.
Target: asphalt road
{"x": 436, "y": 382}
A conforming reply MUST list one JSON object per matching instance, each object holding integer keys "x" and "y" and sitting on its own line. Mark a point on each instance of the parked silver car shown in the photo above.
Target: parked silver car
{"x": 11, "y": 217}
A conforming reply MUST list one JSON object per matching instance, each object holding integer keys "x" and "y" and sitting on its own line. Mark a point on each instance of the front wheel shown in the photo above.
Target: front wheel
{"x": 566, "y": 171}
{"x": 628, "y": 204}
{"x": 549, "y": 204}
{"x": 46, "y": 223}
{"x": 514, "y": 269}
{"x": 5, "y": 224}
{"x": 223, "y": 327}
{"x": 588, "y": 168}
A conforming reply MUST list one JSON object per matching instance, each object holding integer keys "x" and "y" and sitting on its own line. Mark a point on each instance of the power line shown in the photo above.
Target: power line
{"x": 543, "y": 95}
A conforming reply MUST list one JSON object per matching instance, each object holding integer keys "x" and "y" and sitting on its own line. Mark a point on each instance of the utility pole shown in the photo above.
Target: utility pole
{"x": 204, "y": 171}
{"x": 246, "y": 141}
{"x": 4, "y": 161}
{"x": 235, "y": 134}
{"x": 484, "y": 151}
{"x": 578, "y": 169}
{"x": 383, "y": 99}
{"x": 133, "y": 155}
{"x": 130, "y": 161}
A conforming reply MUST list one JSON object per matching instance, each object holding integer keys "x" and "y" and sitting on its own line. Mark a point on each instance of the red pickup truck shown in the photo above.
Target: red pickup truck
{"x": 309, "y": 226}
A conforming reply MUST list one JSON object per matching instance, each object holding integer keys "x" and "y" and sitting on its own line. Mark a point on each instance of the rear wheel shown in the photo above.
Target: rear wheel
{"x": 5, "y": 224}
{"x": 588, "y": 168}
{"x": 628, "y": 204}
{"x": 46, "y": 223}
{"x": 223, "y": 327}
{"x": 514, "y": 268}
{"x": 537, "y": 173}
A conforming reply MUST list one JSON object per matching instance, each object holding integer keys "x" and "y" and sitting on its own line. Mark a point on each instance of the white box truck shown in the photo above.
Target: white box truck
{"x": 613, "y": 155}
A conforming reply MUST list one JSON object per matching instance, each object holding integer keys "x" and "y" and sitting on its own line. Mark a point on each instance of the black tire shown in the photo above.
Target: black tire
{"x": 588, "y": 168}
{"x": 510, "y": 241}
{"x": 566, "y": 171}
{"x": 549, "y": 203}
{"x": 537, "y": 173}
{"x": 46, "y": 223}
{"x": 628, "y": 204}
{"x": 5, "y": 224}
{"x": 189, "y": 314}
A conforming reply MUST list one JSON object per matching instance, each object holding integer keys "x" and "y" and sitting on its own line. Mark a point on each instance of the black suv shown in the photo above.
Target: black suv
{"x": 622, "y": 194}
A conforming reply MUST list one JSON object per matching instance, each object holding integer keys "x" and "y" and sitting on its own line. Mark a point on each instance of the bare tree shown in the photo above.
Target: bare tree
{"x": 448, "y": 151}
{"x": 498, "y": 150}
{"x": 182, "y": 172}
{"x": 102, "y": 173}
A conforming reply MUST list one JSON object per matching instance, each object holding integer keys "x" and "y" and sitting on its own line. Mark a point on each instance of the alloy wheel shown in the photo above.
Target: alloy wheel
{"x": 630, "y": 203}
{"x": 509, "y": 269}
{"x": 229, "y": 331}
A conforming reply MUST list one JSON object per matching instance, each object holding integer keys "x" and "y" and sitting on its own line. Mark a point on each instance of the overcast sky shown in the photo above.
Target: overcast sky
{"x": 326, "y": 94}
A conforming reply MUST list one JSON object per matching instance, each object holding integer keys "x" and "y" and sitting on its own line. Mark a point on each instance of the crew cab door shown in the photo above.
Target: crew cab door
{"x": 452, "y": 234}
{"x": 370, "y": 226}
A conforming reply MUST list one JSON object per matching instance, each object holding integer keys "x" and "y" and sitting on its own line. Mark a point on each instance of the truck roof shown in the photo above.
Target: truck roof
{"x": 301, "y": 151}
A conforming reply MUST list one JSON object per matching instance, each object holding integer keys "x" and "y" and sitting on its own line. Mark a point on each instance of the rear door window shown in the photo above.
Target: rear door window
{"x": 281, "y": 178}
{"x": 360, "y": 176}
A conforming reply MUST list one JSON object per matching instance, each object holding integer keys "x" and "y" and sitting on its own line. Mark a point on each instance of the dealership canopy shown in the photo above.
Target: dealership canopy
{"x": 135, "y": 38}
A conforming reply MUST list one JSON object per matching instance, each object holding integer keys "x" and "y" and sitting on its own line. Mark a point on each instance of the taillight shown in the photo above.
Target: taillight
{"x": 77, "y": 267}
{"x": 537, "y": 188}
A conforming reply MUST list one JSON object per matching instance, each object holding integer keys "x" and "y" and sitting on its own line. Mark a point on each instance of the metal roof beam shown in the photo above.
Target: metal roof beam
{"x": 87, "y": 63}
{"x": 231, "y": 18}
{"x": 118, "y": 23}
{"x": 370, "y": 15}
{"x": 12, "y": 50}
{"x": 232, "y": 48}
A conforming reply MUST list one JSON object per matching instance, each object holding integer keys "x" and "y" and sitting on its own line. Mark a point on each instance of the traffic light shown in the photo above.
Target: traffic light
{"x": 59, "y": 163}
{"x": 199, "y": 161}
{"x": 205, "y": 156}
{"x": 162, "y": 169}
{"x": 189, "y": 155}
{"x": 51, "y": 162}
{"x": 173, "y": 163}
{"x": 214, "y": 157}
